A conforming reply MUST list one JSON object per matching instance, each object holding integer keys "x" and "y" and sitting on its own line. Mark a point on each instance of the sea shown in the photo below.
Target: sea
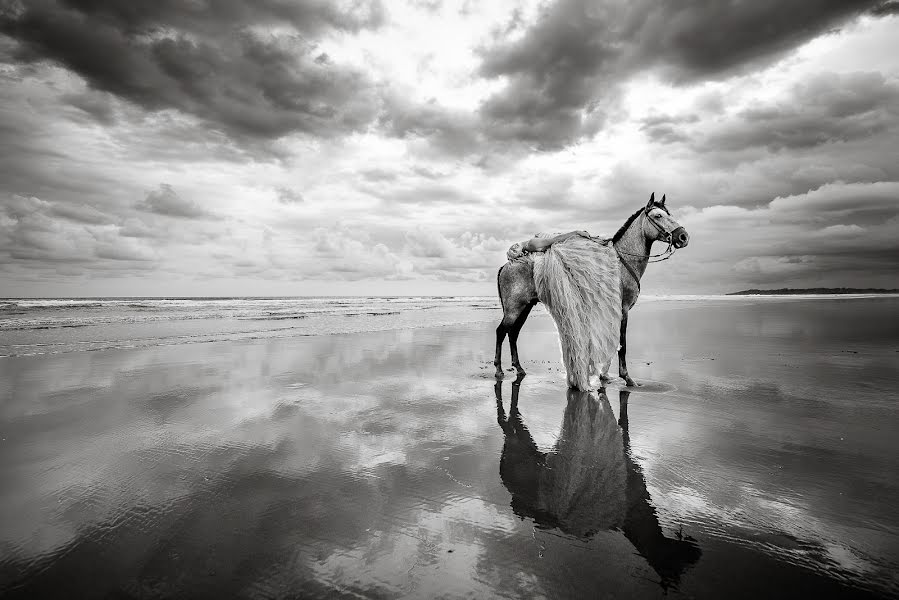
{"x": 34, "y": 326}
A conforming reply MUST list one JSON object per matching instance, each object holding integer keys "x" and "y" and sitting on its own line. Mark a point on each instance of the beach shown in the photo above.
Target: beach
{"x": 372, "y": 453}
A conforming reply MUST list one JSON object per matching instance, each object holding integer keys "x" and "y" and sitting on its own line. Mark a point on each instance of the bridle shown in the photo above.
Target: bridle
{"x": 666, "y": 237}
{"x": 668, "y": 253}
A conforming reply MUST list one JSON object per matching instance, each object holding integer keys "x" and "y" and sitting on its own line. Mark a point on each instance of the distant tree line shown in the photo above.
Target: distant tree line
{"x": 788, "y": 291}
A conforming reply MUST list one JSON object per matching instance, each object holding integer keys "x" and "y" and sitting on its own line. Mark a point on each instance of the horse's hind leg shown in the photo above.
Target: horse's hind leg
{"x": 511, "y": 318}
{"x": 500, "y": 336}
{"x": 513, "y": 337}
{"x": 604, "y": 376}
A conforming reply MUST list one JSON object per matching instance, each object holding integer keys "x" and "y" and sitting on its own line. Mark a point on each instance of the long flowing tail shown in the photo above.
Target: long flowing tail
{"x": 578, "y": 281}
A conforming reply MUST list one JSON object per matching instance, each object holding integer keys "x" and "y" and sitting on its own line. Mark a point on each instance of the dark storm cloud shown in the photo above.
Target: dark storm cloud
{"x": 203, "y": 59}
{"x": 554, "y": 72}
{"x": 708, "y": 38}
{"x": 890, "y": 7}
{"x": 165, "y": 201}
{"x": 563, "y": 69}
{"x": 309, "y": 16}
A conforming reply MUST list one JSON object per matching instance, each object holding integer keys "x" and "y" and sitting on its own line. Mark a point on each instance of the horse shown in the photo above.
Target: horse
{"x": 589, "y": 481}
{"x": 632, "y": 242}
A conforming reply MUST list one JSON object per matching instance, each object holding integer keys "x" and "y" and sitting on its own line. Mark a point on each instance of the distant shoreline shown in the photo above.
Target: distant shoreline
{"x": 798, "y": 291}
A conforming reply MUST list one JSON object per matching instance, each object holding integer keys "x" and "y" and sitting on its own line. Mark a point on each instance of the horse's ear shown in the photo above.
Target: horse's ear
{"x": 663, "y": 200}
{"x": 652, "y": 200}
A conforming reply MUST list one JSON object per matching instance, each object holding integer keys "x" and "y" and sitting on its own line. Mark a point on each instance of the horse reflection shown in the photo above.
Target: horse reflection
{"x": 589, "y": 482}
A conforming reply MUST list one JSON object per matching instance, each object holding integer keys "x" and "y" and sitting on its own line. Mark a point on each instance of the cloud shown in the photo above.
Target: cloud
{"x": 430, "y": 244}
{"x": 343, "y": 254}
{"x": 703, "y": 38}
{"x": 837, "y": 234}
{"x": 96, "y": 105}
{"x": 890, "y": 7}
{"x": 453, "y": 132}
{"x": 270, "y": 120}
{"x": 289, "y": 196}
{"x": 839, "y": 200}
{"x": 32, "y": 232}
{"x": 81, "y": 213}
{"x": 208, "y": 60}
{"x": 824, "y": 108}
{"x": 553, "y": 71}
{"x": 563, "y": 72}
{"x": 165, "y": 201}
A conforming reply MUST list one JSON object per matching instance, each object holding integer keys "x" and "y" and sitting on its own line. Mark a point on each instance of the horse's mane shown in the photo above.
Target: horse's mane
{"x": 627, "y": 224}
{"x": 631, "y": 218}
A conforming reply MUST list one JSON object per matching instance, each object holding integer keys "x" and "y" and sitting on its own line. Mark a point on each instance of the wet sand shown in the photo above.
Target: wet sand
{"x": 759, "y": 459}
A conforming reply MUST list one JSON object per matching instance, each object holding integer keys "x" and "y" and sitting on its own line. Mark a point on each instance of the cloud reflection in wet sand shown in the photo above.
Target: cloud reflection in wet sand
{"x": 373, "y": 465}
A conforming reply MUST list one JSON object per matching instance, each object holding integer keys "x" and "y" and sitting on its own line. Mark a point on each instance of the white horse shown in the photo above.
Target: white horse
{"x": 632, "y": 244}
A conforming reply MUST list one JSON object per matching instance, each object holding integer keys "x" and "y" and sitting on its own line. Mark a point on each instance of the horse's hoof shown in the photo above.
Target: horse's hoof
{"x": 631, "y": 383}
{"x": 605, "y": 378}
{"x": 499, "y": 375}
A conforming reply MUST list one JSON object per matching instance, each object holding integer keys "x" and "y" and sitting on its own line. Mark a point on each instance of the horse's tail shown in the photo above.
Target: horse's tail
{"x": 578, "y": 282}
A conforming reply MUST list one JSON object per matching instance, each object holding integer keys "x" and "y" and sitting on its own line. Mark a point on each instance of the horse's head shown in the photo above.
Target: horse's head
{"x": 658, "y": 225}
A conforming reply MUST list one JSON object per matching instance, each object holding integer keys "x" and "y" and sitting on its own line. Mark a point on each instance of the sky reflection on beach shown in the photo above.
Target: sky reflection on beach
{"x": 378, "y": 464}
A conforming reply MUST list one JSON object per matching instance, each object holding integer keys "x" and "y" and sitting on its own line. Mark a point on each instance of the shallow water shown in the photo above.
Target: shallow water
{"x": 53, "y": 326}
{"x": 758, "y": 460}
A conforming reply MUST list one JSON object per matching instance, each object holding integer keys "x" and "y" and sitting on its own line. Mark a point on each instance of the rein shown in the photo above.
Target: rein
{"x": 629, "y": 268}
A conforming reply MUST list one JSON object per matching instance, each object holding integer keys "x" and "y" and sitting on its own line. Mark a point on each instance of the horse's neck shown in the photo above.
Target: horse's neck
{"x": 634, "y": 247}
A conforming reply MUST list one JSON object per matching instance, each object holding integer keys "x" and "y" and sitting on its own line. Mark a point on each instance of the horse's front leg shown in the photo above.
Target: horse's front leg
{"x": 622, "y": 353}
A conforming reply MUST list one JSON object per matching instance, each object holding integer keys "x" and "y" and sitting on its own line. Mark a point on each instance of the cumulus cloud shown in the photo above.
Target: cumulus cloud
{"x": 352, "y": 256}
{"x": 429, "y": 244}
{"x": 287, "y": 195}
{"x": 31, "y": 232}
{"x": 165, "y": 201}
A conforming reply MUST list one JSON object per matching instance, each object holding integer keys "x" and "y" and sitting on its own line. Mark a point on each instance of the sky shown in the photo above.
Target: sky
{"x": 275, "y": 147}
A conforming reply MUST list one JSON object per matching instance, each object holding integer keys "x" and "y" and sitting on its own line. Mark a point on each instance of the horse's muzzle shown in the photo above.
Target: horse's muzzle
{"x": 680, "y": 238}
